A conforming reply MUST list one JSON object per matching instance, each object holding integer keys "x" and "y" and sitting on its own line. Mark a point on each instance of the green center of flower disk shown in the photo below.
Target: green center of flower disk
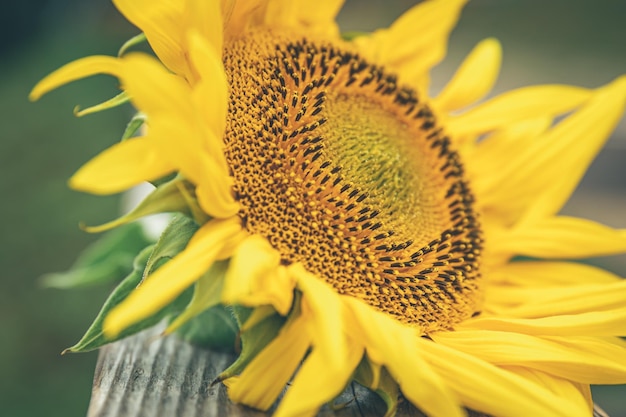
{"x": 347, "y": 172}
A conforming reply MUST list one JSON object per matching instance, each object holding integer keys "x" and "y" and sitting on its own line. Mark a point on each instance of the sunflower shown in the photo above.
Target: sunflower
{"x": 412, "y": 243}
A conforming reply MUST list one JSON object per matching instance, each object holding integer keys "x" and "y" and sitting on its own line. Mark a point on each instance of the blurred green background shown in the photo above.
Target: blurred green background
{"x": 42, "y": 144}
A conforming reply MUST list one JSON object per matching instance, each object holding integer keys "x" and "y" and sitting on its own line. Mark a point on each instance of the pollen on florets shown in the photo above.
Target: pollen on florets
{"x": 347, "y": 172}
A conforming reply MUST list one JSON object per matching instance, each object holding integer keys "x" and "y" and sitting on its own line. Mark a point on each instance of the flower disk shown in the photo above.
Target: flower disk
{"x": 344, "y": 170}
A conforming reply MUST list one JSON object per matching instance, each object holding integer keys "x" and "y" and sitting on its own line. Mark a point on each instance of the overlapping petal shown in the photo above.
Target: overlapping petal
{"x": 559, "y": 237}
{"x": 516, "y": 106}
{"x": 162, "y": 287}
{"x": 540, "y": 274}
{"x": 416, "y": 41}
{"x": 596, "y": 323}
{"x": 255, "y": 277}
{"x": 160, "y": 21}
{"x": 396, "y": 346}
{"x": 274, "y": 366}
{"x": 477, "y": 383}
{"x": 606, "y": 364}
{"x": 568, "y": 147}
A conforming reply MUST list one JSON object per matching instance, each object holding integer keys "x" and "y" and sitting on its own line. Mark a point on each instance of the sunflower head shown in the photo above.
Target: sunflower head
{"x": 357, "y": 227}
{"x": 346, "y": 171}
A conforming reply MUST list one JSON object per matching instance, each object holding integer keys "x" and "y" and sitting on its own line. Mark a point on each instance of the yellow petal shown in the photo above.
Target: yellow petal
{"x": 515, "y": 106}
{"x": 316, "y": 384}
{"x": 153, "y": 89}
{"x": 121, "y": 167}
{"x": 240, "y": 15}
{"x": 205, "y": 18}
{"x": 416, "y": 41}
{"x": 76, "y": 70}
{"x": 319, "y": 16}
{"x": 214, "y": 192}
{"x": 573, "y": 144}
{"x": 210, "y": 94}
{"x": 577, "y": 393}
{"x": 597, "y": 323}
{"x": 173, "y": 278}
{"x": 206, "y": 295}
{"x": 265, "y": 377}
{"x": 323, "y": 304}
{"x": 396, "y": 346}
{"x": 255, "y": 277}
{"x": 559, "y": 237}
{"x": 533, "y": 274}
{"x": 484, "y": 387}
{"x": 605, "y": 365}
{"x": 169, "y": 103}
{"x": 161, "y": 21}
{"x": 484, "y": 162}
{"x": 569, "y": 147}
{"x": 474, "y": 78}
{"x": 550, "y": 301}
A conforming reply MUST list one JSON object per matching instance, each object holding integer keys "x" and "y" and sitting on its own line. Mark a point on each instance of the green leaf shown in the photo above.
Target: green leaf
{"x": 168, "y": 197}
{"x": 215, "y": 328}
{"x": 172, "y": 241}
{"x": 107, "y": 260}
{"x": 253, "y": 340}
{"x": 378, "y": 379}
{"x": 94, "y": 337}
{"x": 207, "y": 293}
{"x": 118, "y": 100}
{"x": 135, "y": 40}
{"x": 134, "y": 125}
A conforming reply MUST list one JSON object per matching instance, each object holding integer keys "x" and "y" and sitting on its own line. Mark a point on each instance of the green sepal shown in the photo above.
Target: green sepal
{"x": 253, "y": 340}
{"x": 108, "y": 259}
{"x": 215, "y": 329}
{"x": 207, "y": 294}
{"x": 135, "y": 40}
{"x": 168, "y": 197}
{"x": 95, "y": 338}
{"x": 134, "y": 125}
{"x": 118, "y": 100}
{"x": 171, "y": 242}
{"x": 378, "y": 379}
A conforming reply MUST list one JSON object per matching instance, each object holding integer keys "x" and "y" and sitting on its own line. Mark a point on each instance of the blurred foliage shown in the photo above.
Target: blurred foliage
{"x": 42, "y": 145}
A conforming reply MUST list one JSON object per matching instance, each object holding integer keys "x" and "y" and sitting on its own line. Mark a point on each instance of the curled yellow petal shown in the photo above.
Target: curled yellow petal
{"x": 255, "y": 277}
{"x": 121, "y": 167}
{"x": 81, "y": 68}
